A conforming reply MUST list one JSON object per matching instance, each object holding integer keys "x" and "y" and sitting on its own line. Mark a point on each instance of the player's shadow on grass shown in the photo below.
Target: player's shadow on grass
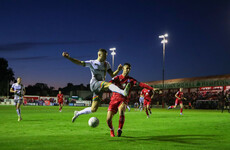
{"x": 183, "y": 139}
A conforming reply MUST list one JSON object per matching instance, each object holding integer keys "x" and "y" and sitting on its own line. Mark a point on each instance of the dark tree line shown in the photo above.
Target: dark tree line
{"x": 41, "y": 89}
{"x": 6, "y": 76}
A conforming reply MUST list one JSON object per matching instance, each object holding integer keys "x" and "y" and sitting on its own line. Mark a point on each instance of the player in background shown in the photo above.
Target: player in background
{"x": 60, "y": 100}
{"x": 179, "y": 97}
{"x": 98, "y": 68}
{"x": 19, "y": 91}
{"x": 118, "y": 101}
{"x": 148, "y": 95}
{"x": 141, "y": 100}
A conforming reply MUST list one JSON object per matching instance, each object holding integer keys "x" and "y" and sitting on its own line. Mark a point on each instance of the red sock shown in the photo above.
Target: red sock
{"x": 147, "y": 113}
{"x": 181, "y": 110}
{"x": 172, "y": 107}
{"x": 121, "y": 121}
{"x": 110, "y": 124}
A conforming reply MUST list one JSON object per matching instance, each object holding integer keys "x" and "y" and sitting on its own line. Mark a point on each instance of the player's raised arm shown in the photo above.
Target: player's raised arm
{"x": 78, "y": 62}
{"x": 113, "y": 74}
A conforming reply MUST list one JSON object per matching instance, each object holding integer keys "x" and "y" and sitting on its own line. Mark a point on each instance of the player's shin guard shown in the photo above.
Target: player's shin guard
{"x": 121, "y": 121}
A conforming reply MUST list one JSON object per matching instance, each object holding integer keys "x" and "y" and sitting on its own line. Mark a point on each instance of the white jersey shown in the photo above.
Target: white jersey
{"x": 19, "y": 88}
{"x": 98, "y": 69}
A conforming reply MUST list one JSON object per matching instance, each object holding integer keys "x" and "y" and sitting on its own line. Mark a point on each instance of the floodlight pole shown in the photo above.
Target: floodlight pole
{"x": 113, "y": 53}
{"x": 164, "y": 41}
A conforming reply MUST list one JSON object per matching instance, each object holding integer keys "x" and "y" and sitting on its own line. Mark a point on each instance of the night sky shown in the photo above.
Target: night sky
{"x": 34, "y": 33}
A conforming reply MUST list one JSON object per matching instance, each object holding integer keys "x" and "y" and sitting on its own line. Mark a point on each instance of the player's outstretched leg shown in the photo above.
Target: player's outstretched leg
{"x": 116, "y": 89}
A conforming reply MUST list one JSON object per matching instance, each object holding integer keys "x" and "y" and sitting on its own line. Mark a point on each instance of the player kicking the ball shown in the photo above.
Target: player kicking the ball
{"x": 118, "y": 101}
{"x": 179, "y": 98}
{"x": 19, "y": 91}
{"x": 98, "y": 69}
{"x": 148, "y": 95}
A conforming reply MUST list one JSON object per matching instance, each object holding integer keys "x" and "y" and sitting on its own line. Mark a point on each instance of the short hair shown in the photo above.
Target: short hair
{"x": 103, "y": 50}
{"x": 128, "y": 64}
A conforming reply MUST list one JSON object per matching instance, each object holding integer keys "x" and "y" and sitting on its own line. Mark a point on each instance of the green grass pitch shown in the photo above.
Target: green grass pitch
{"x": 44, "y": 127}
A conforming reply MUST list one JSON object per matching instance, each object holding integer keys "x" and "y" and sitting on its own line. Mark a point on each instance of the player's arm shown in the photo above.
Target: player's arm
{"x": 177, "y": 96}
{"x": 113, "y": 74}
{"x": 78, "y": 62}
{"x": 12, "y": 90}
{"x": 143, "y": 85}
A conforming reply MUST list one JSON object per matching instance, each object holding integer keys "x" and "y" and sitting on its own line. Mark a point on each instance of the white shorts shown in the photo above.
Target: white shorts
{"x": 19, "y": 101}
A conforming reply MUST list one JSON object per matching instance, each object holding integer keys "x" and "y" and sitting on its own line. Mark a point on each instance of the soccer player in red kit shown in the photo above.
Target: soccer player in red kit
{"x": 119, "y": 102}
{"x": 179, "y": 97}
{"x": 60, "y": 100}
{"x": 148, "y": 95}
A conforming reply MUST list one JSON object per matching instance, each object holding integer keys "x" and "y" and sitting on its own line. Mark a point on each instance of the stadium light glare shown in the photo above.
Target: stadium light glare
{"x": 113, "y": 53}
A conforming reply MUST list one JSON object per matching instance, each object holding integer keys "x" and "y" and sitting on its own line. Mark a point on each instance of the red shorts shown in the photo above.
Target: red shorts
{"x": 113, "y": 105}
{"x": 60, "y": 102}
{"x": 178, "y": 101}
{"x": 146, "y": 103}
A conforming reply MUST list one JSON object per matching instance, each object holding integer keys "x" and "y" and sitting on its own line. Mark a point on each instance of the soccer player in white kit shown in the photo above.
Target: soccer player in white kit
{"x": 141, "y": 100}
{"x": 19, "y": 91}
{"x": 98, "y": 69}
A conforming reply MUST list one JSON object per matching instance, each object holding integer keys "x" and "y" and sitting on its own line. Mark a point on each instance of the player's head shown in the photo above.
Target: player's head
{"x": 19, "y": 79}
{"x": 126, "y": 69}
{"x": 59, "y": 92}
{"x": 102, "y": 55}
{"x": 181, "y": 89}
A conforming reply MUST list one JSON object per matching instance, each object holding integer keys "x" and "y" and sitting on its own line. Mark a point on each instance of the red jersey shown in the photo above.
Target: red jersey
{"x": 147, "y": 94}
{"x": 121, "y": 82}
{"x": 179, "y": 94}
{"x": 60, "y": 97}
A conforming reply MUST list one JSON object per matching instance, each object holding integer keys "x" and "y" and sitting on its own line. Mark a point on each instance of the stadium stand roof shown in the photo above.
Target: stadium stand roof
{"x": 218, "y": 80}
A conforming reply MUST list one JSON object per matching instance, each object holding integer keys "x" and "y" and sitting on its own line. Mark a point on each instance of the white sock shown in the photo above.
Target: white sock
{"x": 116, "y": 89}
{"x": 128, "y": 107}
{"x": 85, "y": 111}
{"x": 18, "y": 112}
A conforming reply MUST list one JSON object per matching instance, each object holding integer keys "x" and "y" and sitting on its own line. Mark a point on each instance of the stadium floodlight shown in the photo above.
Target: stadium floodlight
{"x": 164, "y": 41}
{"x": 113, "y": 53}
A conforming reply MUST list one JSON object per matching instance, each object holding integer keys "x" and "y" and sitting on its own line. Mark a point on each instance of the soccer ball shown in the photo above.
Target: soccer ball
{"x": 93, "y": 122}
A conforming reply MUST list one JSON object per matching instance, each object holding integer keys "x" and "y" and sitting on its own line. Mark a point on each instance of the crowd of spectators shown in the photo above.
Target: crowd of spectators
{"x": 200, "y": 99}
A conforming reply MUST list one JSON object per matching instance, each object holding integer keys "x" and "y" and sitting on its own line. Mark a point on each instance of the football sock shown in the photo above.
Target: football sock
{"x": 147, "y": 113}
{"x": 116, "y": 89}
{"x": 181, "y": 110}
{"x": 121, "y": 121}
{"x": 18, "y": 112}
{"x": 85, "y": 111}
{"x": 110, "y": 124}
{"x": 172, "y": 107}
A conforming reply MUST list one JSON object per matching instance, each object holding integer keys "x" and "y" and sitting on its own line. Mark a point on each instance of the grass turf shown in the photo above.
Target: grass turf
{"x": 44, "y": 127}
